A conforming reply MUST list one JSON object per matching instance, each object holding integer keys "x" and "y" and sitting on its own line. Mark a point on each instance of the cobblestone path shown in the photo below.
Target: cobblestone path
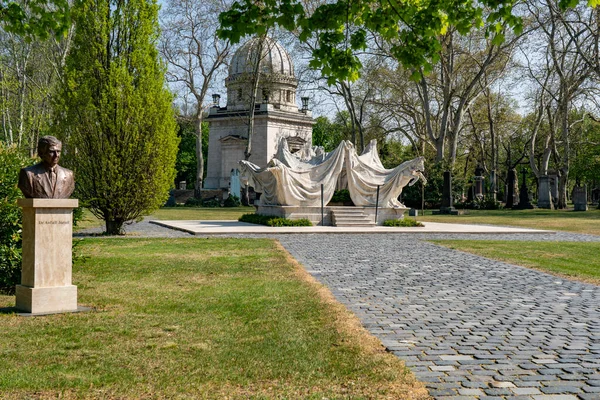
{"x": 467, "y": 326}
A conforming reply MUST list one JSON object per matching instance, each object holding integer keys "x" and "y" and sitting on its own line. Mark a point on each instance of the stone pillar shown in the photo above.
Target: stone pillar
{"x": 493, "y": 185}
{"x": 580, "y": 198}
{"x": 47, "y": 256}
{"x": 544, "y": 197}
{"x": 510, "y": 188}
{"x": 479, "y": 182}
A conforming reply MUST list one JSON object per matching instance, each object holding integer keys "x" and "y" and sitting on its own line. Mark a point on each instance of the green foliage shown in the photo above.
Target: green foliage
{"x": 329, "y": 134}
{"x": 116, "y": 112}
{"x": 393, "y": 153}
{"x": 411, "y": 29}
{"x": 193, "y": 202}
{"x": 269, "y": 220}
{"x": 10, "y": 218}
{"x": 208, "y": 203}
{"x": 37, "y": 18}
{"x": 232, "y": 201}
{"x": 404, "y": 222}
{"x": 187, "y": 165}
{"x": 485, "y": 203}
{"x": 586, "y": 157}
{"x": 341, "y": 196}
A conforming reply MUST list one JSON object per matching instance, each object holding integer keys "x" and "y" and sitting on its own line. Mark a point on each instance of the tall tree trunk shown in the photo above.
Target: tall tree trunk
{"x": 251, "y": 111}
{"x": 199, "y": 155}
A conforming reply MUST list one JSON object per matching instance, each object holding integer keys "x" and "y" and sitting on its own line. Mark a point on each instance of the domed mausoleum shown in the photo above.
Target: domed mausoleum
{"x": 276, "y": 116}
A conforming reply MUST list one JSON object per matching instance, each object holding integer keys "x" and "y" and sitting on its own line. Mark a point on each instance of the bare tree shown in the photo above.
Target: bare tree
{"x": 194, "y": 55}
{"x": 561, "y": 79}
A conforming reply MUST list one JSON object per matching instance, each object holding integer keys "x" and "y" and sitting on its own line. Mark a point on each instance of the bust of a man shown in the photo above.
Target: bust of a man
{"x": 47, "y": 180}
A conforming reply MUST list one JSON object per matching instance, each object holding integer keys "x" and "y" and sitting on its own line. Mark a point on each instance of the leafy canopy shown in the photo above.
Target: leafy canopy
{"x": 36, "y": 18}
{"x": 411, "y": 28}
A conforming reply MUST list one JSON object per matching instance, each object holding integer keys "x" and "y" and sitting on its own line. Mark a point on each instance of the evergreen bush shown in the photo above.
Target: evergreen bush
{"x": 10, "y": 218}
{"x": 232, "y": 201}
{"x": 405, "y": 222}
{"x": 269, "y": 220}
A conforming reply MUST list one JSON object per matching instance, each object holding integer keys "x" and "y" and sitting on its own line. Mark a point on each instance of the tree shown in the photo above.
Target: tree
{"x": 187, "y": 163}
{"x": 412, "y": 30}
{"x": 35, "y": 18}
{"x": 195, "y": 55}
{"x": 117, "y": 117}
{"x": 561, "y": 79}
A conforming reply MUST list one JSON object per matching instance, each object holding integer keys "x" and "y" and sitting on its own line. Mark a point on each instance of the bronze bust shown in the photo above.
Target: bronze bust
{"x": 47, "y": 180}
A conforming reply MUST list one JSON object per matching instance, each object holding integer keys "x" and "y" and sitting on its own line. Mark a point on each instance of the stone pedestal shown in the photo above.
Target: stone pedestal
{"x": 544, "y": 197}
{"x": 47, "y": 256}
{"x": 511, "y": 180}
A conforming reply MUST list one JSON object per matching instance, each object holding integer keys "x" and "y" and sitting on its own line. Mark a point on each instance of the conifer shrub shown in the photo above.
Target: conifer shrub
{"x": 270, "y": 220}
{"x": 405, "y": 222}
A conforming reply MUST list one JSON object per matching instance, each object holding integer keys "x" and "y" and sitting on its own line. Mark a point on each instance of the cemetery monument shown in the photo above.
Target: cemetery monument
{"x": 47, "y": 234}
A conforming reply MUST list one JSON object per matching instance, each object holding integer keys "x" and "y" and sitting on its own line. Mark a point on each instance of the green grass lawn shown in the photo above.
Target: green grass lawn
{"x": 561, "y": 220}
{"x": 176, "y": 213}
{"x": 580, "y": 261}
{"x": 189, "y": 318}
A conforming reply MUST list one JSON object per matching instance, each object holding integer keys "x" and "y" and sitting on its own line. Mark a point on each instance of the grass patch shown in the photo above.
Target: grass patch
{"x": 404, "y": 222}
{"x": 567, "y": 259}
{"x": 273, "y": 221}
{"x": 561, "y": 220}
{"x": 189, "y": 318}
{"x": 176, "y": 213}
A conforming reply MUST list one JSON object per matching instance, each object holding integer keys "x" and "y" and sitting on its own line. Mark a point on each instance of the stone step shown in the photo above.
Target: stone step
{"x": 350, "y": 217}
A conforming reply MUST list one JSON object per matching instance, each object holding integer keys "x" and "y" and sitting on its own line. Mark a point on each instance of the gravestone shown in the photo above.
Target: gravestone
{"x": 524, "y": 201}
{"x": 234, "y": 183}
{"x": 182, "y": 185}
{"x": 596, "y": 197}
{"x": 511, "y": 180}
{"x": 544, "y": 196}
{"x": 479, "y": 182}
{"x": 579, "y": 197}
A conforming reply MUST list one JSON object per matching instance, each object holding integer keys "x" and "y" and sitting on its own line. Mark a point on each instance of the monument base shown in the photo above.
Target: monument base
{"x": 446, "y": 211}
{"x": 313, "y": 214}
{"x": 46, "y": 299}
{"x": 46, "y": 285}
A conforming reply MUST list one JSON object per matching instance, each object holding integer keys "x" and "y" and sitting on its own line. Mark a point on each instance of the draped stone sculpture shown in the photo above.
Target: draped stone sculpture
{"x": 290, "y": 180}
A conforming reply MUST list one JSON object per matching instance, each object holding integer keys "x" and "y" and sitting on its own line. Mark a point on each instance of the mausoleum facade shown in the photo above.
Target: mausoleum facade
{"x": 276, "y": 116}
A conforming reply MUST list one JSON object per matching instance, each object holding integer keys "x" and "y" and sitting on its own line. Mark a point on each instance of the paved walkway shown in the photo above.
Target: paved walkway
{"x": 468, "y": 327}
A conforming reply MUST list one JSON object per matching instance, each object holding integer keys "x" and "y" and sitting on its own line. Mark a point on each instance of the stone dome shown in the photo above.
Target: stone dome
{"x": 274, "y": 59}
{"x": 276, "y": 84}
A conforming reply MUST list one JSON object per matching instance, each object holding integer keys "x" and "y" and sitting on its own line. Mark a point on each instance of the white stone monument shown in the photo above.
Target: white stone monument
{"x": 47, "y": 257}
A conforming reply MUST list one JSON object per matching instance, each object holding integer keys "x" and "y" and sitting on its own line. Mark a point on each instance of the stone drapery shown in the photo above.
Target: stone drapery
{"x": 295, "y": 180}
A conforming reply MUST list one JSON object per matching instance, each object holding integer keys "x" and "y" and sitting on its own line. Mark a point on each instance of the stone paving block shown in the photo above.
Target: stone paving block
{"x": 591, "y": 389}
{"x": 496, "y": 384}
{"x": 527, "y": 383}
{"x": 441, "y": 393}
{"x": 471, "y": 392}
{"x": 554, "y": 397}
{"x": 560, "y": 389}
{"x": 497, "y": 391}
{"x": 525, "y": 391}
{"x": 442, "y": 368}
